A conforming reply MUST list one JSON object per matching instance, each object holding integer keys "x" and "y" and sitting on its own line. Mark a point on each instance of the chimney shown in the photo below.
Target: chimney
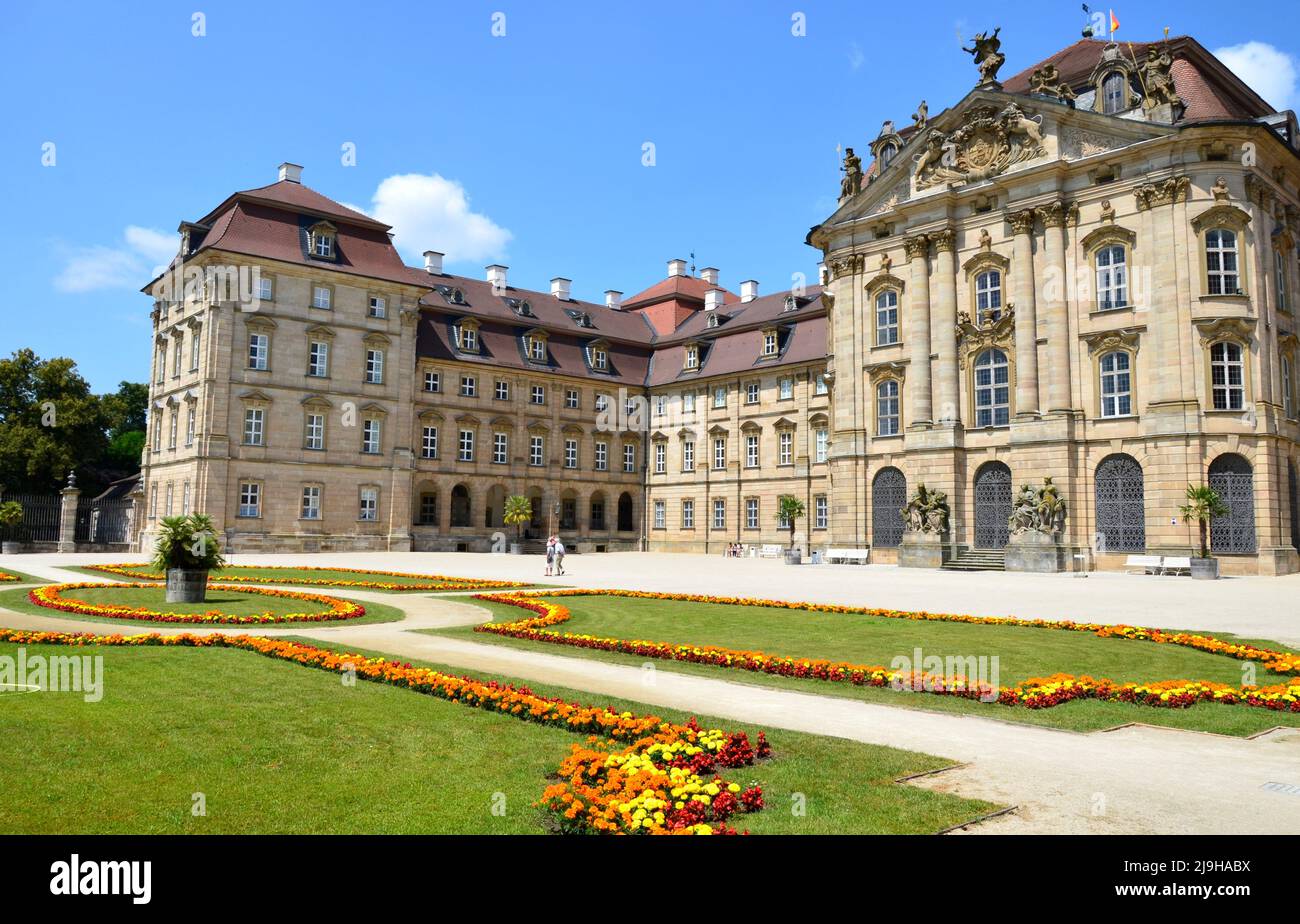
{"x": 614, "y": 299}
{"x": 713, "y": 299}
{"x": 749, "y": 290}
{"x": 433, "y": 262}
{"x": 291, "y": 172}
{"x": 560, "y": 287}
{"x": 496, "y": 275}
{"x": 710, "y": 275}
{"x": 676, "y": 267}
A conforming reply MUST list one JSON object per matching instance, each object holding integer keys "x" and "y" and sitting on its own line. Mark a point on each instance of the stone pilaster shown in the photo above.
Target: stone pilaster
{"x": 1024, "y": 299}
{"x": 1055, "y": 217}
{"x": 945, "y": 325}
{"x": 920, "y": 406}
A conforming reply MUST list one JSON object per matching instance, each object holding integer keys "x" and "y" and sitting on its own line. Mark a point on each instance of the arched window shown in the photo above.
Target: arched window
{"x": 1116, "y": 384}
{"x": 887, "y": 408}
{"x": 992, "y": 389}
{"x": 888, "y": 498}
{"x": 1113, "y": 92}
{"x": 1221, "y": 261}
{"x": 988, "y": 295}
{"x": 625, "y": 522}
{"x": 1121, "y": 508}
{"x": 1112, "y": 278}
{"x": 887, "y": 153}
{"x": 1234, "y": 481}
{"x": 460, "y": 505}
{"x": 1288, "y": 389}
{"x": 1227, "y": 376}
{"x": 886, "y": 317}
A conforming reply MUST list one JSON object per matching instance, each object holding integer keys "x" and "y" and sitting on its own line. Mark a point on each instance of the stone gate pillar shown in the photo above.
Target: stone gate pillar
{"x": 71, "y": 497}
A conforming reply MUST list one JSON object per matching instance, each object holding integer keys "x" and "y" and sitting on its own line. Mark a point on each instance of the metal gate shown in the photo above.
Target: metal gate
{"x": 1121, "y": 507}
{"x": 1233, "y": 479}
{"x": 41, "y": 514}
{"x": 992, "y": 505}
{"x": 888, "y": 498}
{"x": 105, "y": 522}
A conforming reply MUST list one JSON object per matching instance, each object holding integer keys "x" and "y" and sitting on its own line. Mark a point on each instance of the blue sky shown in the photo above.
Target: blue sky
{"x": 525, "y": 147}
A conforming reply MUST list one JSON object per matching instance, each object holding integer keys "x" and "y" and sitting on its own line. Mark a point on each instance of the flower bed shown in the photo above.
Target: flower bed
{"x": 51, "y": 597}
{"x": 636, "y": 774}
{"x": 1034, "y": 693}
{"x": 427, "y": 582}
{"x": 6, "y": 578}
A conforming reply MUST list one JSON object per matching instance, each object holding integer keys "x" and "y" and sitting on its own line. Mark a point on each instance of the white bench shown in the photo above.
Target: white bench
{"x": 1150, "y": 564}
{"x": 771, "y": 551}
{"x": 1177, "y": 565}
{"x": 853, "y": 556}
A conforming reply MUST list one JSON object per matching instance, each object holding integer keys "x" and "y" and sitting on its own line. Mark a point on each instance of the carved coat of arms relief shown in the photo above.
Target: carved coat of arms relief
{"x": 988, "y": 143}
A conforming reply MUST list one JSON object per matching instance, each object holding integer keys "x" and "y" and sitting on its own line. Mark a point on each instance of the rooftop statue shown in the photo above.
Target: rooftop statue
{"x": 987, "y": 56}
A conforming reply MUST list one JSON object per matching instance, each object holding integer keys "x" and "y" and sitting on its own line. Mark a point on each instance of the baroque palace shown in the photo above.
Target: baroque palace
{"x": 1086, "y": 272}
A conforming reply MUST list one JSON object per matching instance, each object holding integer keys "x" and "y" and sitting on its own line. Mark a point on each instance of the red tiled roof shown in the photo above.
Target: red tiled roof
{"x": 687, "y": 288}
{"x": 299, "y": 198}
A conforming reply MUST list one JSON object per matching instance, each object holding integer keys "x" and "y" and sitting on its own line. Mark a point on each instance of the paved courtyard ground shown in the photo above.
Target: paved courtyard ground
{"x": 1131, "y": 780}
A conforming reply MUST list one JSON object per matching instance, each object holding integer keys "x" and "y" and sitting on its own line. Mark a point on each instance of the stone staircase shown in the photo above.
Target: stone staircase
{"x": 977, "y": 560}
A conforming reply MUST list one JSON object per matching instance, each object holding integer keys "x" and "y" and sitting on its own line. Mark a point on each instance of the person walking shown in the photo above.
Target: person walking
{"x": 559, "y": 555}
{"x": 550, "y": 555}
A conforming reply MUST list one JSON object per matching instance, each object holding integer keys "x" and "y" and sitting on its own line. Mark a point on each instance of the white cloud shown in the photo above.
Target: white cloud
{"x": 1268, "y": 71}
{"x": 129, "y": 265}
{"x": 430, "y": 212}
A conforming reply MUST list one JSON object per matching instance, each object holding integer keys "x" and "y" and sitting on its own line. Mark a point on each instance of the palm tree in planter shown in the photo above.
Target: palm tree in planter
{"x": 519, "y": 510}
{"x": 11, "y": 521}
{"x": 1203, "y": 505}
{"x": 789, "y": 509}
{"x": 187, "y": 549}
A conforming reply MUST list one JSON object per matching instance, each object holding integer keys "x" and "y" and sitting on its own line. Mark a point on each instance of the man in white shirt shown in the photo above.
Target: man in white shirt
{"x": 559, "y": 555}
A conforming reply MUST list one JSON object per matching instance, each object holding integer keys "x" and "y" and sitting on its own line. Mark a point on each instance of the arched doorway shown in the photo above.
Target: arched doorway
{"x": 992, "y": 505}
{"x": 1234, "y": 480}
{"x": 460, "y": 505}
{"x": 1295, "y": 505}
{"x": 888, "y": 498}
{"x": 569, "y": 509}
{"x": 1121, "y": 505}
{"x": 597, "y": 520}
{"x": 494, "y": 510}
{"x": 625, "y": 523}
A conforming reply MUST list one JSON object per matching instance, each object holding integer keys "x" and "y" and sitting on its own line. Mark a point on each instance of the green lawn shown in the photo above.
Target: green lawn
{"x": 278, "y": 748}
{"x": 23, "y": 577}
{"x": 872, "y": 640}
{"x": 232, "y": 602}
{"x": 263, "y": 575}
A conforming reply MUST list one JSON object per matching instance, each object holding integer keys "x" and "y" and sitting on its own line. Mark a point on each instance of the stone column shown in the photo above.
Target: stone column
{"x": 945, "y": 321}
{"x": 920, "y": 404}
{"x": 68, "y": 515}
{"x": 1023, "y": 297}
{"x": 1055, "y": 217}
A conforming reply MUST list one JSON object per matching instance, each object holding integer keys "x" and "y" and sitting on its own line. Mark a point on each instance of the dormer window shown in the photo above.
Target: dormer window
{"x": 887, "y": 153}
{"x": 451, "y": 294}
{"x": 320, "y": 240}
{"x": 713, "y": 321}
{"x": 535, "y": 347}
{"x": 769, "y": 342}
{"x": 466, "y": 331}
{"x": 1113, "y": 93}
{"x": 692, "y": 360}
{"x": 791, "y": 303}
{"x": 598, "y": 356}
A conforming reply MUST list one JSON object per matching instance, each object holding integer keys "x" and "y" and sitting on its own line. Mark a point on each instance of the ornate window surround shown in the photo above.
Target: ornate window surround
{"x": 1127, "y": 340}
{"x": 459, "y": 326}
{"x": 881, "y": 282}
{"x": 1236, "y": 220}
{"x": 1109, "y": 236}
{"x": 1098, "y": 79}
{"x": 1227, "y": 330}
{"x": 877, "y": 375}
{"x": 1288, "y": 345}
{"x": 980, "y": 263}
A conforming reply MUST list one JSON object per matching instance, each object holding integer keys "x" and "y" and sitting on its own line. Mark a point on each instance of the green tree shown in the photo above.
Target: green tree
{"x": 1203, "y": 505}
{"x": 519, "y": 510}
{"x": 127, "y": 409}
{"x": 789, "y": 509}
{"x": 50, "y": 422}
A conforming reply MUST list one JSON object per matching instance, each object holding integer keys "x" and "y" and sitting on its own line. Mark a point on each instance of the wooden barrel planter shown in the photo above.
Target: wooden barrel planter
{"x": 186, "y": 586}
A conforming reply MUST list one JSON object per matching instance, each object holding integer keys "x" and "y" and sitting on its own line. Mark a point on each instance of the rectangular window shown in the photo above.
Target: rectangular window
{"x": 468, "y": 386}
{"x": 254, "y": 422}
{"x": 250, "y": 499}
{"x": 823, "y": 444}
{"x": 369, "y": 506}
{"x": 370, "y": 436}
{"x": 821, "y": 512}
{"x": 1221, "y": 261}
{"x": 688, "y": 402}
{"x": 259, "y": 352}
{"x": 378, "y": 307}
{"x": 661, "y": 457}
{"x": 190, "y": 424}
{"x": 661, "y": 405}
{"x": 320, "y": 297}
{"x": 466, "y": 446}
{"x": 265, "y": 289}
{"x": 374, "y": 367}
{"x": 157, "y": 430}
{"x": 179, "y": 356}
{"x": 597, "y": 515}
{"x": 571, "y": 399}
{"x": 692, "y": 358}
{"x": 311, "y": 502}
{"x": 432, "y": 382}
{"x": 751, "y": 513}
{"x": 167, "y": 504}
{"x": 688, "y": 514}
{"x": 688, "y": 455}
{"x": 318, "y": 359}
{"x": 720, "y": 396}
{"x": 172, "y": 426}
{"x": 719, "y": 513}
{"x": 785, "y": 440}
{"x": 661, "y": 517}
{"x": 501, "y": 390}
{"x": 500, "y": 448}
{"x": 538, "y": 394}
{"x": 599, "y": 360}
{"x": 720, "y": 452}
{"x": 322, "y": 245}
{"x": 769, "y": 343}
{"x": 196, "y": 341}
{"x": 602, "y": 402}
{"x": 428, "y": 510}
{"x": 1116, "y": 388}
{"x": 629, "y": 457}
{"x": 536, "y": 448}
{"x": 467, "y": 337}
{"x": 786, "y": 388}
{"x": 570, "y": 453}
{"x": 886, "y": 317}
{"x": 887, "y": 407}
{"x": 185, "y": 499}
{"x": 315, "y": 431}
{"x": 751, "y": 393}
{"x": 429, "y": 443}
{"x": 751, "y": 450}
{"x": 602, "y": 456}
{"x": 819, "y": 384}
